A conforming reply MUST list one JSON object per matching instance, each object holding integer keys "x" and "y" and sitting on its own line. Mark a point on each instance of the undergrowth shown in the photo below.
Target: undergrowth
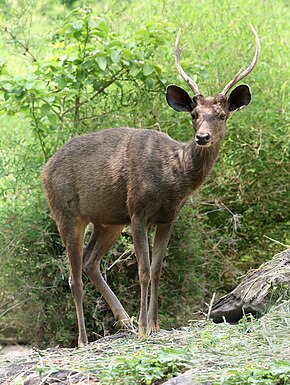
{"x": 252, "y": 352}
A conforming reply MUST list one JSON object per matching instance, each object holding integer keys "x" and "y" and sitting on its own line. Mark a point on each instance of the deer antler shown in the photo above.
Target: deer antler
{"x": 177, "y": 54}
{"x": 242, "y": 74}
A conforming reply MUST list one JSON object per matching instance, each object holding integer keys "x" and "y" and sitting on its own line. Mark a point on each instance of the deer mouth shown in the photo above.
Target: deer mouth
{"x": 206, "y": 145}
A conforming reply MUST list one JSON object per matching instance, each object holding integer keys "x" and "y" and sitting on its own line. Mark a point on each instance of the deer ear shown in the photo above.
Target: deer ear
{"x": 239, "y": 98}
{"x": 179, "y": 99}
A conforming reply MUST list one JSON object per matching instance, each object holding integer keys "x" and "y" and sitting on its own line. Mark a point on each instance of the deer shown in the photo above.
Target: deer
{"x": 116, "y": 177}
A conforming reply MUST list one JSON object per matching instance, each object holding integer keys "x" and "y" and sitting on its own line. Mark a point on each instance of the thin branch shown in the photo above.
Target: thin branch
{"x": 96, "y": 116}
{"x": 278, "y": 242}
{"x": 210, "y": 306}
{"x": 57, "y": 138}
{"x": 14, "y": 306}
{"x": 86, "y": 40}
{"x": 120, "y": 258}
{"x": 22, "y": 45}
{"x": 37, "y": 127}
{"x": 77, "y": 112}
{"x": 53, "y": 109}
{"x": 106, "y": 85}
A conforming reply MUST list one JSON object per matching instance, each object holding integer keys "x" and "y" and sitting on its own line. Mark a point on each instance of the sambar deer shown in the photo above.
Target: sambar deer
{"x": 140, "y": 177}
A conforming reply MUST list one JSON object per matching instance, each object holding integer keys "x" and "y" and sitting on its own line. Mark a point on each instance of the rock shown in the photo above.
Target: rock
{"x": 61, "y": 377}
{"x": 183, "y": 379}
{"x": 256, "y": 293}
{"x": 14, "y": 350}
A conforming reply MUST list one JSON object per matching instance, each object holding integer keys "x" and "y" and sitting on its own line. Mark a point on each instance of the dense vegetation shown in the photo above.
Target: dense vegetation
{"x": 70, "y": 68}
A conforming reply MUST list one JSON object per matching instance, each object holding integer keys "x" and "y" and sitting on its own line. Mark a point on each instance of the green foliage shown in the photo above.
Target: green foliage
{"x": 60, "y": 92}
{"x": 277, "y": 373}
{"x": 107, "y": 64}
{"x": 145, "y": 366}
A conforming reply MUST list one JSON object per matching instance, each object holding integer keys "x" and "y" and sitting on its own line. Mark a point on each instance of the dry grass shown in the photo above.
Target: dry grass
{"x": 216, "y": 354}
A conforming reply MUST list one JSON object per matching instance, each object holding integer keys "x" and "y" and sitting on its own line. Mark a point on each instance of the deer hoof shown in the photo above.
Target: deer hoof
{"x": 82, "y": 342}
{"x": 153, "y": 327}
{"x": 142, "y": 332}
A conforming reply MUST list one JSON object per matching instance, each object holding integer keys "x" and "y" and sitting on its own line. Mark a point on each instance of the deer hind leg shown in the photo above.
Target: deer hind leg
{"x": 99, "y": 244}
{"x": 72, "y": 233}
{"x": 140, "y": 240}
{"x": 161, "y": 238}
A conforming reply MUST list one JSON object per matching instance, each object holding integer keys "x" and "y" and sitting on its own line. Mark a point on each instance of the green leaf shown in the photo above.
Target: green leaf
{"x": 29, "y": 84}
{"x": 134, "y": 70}
{"x": 103, "y": 25}
{"x": 50, "y": 99}
{"x": 77, "y": 35}
{"x": 118, "y": 84}
{"x": 24, "y": 107}
{"x": 53, "y": 119}
{"x": 3, "y": 70}
{"x": 81, "y": 74}
{"x": 45, "y": 109}
{"x": 147, "y": 69}
{"x": 101, "y": 33}
{"x": 102, "y": 62}
{"x": 17, "y": 90}
{"x": 115, "y": 56}
{"x": 62, "y": 58}
{"x": 7, "y": 95}
{"x": 127, "y": 54}
{"x": 149, "y": 82}
{"x": 130, "y": 45}
{"x": 93, "y": 24}
{"x": 62, "y": 83}
{"x": 77, "y": 25}
{"x": 73, "y": 56}
{"x": 115, "y": 43}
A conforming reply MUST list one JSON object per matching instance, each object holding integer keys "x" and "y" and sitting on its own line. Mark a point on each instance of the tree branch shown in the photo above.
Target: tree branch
{"x": 22, "y": 45}
{"x": 37, "y": 127}
{"x": 106, "y": 85}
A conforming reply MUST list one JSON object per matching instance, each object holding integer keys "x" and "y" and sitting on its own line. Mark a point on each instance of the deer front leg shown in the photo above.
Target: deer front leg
{"x": 140, "y": 240}
{"x": 161, "y": 238}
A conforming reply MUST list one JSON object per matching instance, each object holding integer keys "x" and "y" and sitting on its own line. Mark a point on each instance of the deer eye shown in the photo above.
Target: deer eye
{"x": 222, "y": 116}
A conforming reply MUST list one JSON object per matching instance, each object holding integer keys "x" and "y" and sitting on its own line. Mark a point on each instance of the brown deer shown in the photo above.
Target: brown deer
{"x": 139, "y": 177}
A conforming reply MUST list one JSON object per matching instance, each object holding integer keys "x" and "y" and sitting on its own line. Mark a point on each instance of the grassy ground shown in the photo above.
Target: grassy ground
{"x": 255, "y": 352}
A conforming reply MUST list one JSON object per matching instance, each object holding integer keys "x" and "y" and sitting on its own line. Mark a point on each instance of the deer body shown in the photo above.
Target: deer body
{"x": 131, "y": 171}
{"x": 139, "y": 177}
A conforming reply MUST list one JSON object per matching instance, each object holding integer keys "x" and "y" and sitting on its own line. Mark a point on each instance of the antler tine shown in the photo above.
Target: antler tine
{"x": 242, "y": 74}
{"x": 177, "y": 54}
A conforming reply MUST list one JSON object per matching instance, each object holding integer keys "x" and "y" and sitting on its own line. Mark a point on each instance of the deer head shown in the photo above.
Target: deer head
{"x": 209, "y": 114}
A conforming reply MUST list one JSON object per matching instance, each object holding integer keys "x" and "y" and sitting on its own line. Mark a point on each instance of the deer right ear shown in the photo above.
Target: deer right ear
{"x": 178, "y": 99}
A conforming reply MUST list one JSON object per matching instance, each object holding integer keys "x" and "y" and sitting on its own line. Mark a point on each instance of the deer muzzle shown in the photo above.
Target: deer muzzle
{"x": 203, "y": 139}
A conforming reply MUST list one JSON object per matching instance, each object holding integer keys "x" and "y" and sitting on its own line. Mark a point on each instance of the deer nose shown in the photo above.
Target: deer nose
{"x": 202, "y": 139}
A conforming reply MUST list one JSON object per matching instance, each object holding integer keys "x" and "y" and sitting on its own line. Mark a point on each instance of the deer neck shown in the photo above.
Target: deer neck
{"x": 198, "y": 162}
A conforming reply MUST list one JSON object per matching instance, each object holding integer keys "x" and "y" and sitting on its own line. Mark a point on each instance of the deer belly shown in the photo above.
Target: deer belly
{"x": 107, "y": 208}
{"x": 164, "y": 215}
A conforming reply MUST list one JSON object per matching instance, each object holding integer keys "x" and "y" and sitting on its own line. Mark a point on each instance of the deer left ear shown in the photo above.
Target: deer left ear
{"x": 239, "y": 98}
